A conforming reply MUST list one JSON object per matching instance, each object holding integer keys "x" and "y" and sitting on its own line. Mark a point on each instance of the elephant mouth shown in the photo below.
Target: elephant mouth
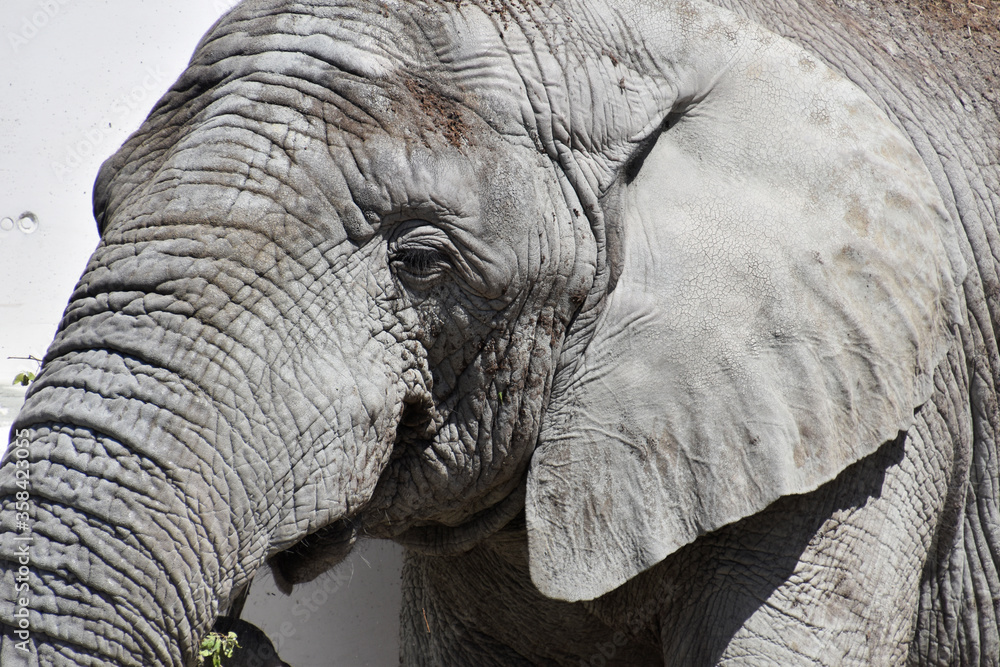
{"x": 329, "y": 546}
{"x": 314, "y": 554}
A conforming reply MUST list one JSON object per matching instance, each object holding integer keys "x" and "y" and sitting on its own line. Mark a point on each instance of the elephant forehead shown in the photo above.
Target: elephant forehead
{"x": 348, "y": 36}
{"x": 442, "y": 59}
{"x": 340, "y": 113}
{"x": 427, "y": 75}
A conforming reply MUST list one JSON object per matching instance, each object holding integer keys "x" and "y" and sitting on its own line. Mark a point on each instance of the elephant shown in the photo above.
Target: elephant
{"x": 658, "y": 332}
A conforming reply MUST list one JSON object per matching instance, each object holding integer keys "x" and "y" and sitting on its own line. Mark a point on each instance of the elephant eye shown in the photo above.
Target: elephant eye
{"x": 418, "y": 265}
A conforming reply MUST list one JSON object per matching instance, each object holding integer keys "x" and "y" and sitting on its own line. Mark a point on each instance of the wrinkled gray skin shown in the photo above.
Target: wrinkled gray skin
{"x": 653, "y": 340}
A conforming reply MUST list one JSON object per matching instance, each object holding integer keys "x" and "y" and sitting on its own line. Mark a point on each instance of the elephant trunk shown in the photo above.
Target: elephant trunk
{"x": 172, "y": 443}
{"x": 113, "y": 490}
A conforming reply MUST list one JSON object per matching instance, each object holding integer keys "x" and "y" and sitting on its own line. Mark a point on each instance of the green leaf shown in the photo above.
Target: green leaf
{"x": 24, "y": 379}
{"x": 215, "y": 645}
{"x": 230, "y": 644}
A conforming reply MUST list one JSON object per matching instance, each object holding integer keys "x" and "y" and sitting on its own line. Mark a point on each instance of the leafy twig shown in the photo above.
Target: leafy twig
{"x": 215, "y": 645}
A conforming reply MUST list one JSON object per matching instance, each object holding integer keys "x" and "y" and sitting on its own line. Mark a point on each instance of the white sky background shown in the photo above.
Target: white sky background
{"x": 75, "y": 81}
{"x": 76, "y": 78}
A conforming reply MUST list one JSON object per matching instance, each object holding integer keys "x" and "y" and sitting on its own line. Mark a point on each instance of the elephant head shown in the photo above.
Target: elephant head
{"x": 407, "y": 270}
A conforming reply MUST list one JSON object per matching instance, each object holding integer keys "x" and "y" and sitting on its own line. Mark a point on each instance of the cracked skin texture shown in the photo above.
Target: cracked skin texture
{"x": 658, "y": 334}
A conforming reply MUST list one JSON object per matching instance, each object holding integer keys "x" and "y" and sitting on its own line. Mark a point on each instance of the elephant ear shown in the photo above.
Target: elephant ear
{"x": 787, "y": 287}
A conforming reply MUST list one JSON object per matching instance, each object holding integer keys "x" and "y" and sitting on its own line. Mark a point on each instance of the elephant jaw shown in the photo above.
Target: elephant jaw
{"x": 439, "y": 539}
{"x": 330, "y": 546}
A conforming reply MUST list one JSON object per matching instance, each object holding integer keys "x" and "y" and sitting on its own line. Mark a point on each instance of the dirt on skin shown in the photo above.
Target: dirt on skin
{"x": 979, "y": 20}
{"x": 968, "y": 27}
{"x": 445, "y": 113}
{"x": 960, "y": 36}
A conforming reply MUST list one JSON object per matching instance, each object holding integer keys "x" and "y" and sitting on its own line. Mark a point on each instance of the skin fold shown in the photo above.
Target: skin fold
{"x": 657, "y": 332}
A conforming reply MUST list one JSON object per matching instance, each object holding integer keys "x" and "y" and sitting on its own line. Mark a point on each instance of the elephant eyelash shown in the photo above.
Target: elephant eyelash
{"x": 418, "y": 260}
{"x": 421, "y": 265}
